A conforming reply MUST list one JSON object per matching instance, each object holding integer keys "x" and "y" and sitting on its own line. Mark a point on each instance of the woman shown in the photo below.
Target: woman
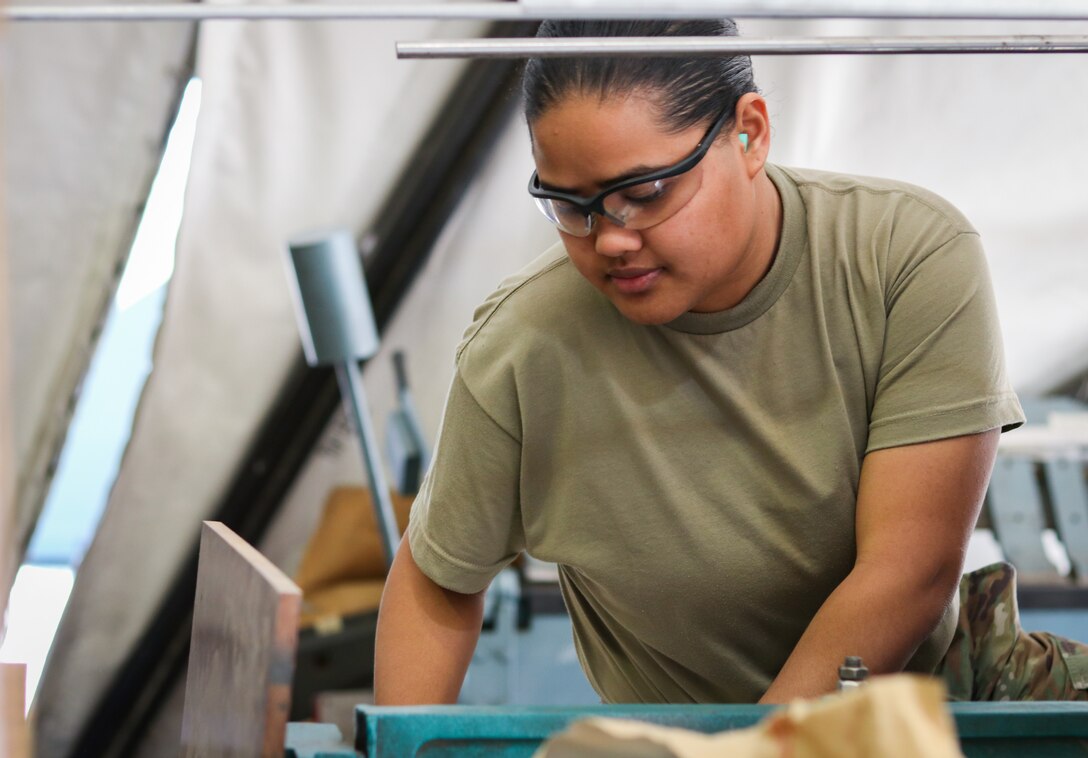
{"x": 750, "y": 411}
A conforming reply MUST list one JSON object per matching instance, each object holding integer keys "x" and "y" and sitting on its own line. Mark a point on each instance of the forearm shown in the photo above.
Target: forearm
{"x": 879, "y": 612}
{"x": 916, "y": 507}
{"x": 425, "y": 638}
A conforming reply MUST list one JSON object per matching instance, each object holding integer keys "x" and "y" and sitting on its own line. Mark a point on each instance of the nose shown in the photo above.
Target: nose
{"x": 613, "y": 240}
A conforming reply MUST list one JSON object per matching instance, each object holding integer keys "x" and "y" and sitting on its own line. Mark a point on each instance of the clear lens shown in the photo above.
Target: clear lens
{"x": 567, "y": 217}
{"x": 645, "y": 205}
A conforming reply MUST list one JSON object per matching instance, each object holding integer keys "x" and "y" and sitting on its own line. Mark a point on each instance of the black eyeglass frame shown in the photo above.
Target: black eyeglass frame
{"x": 595, "y": 204}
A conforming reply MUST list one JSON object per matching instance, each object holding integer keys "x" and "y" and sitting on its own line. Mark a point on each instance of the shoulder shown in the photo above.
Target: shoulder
{"x": 883, "y": 228}
{"x": 874, "y": 199}
{"x": 519, "y": 297}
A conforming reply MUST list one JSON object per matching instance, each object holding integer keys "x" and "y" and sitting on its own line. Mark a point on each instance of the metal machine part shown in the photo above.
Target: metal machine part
{"x": 526, "y": 654}
{"x": 404, "y": 440}
{"x": 852, "y": 673}
{"x": 1016, "y": 513}
{"x": 336, "y": 322}
{"x": 1069, "y": 501}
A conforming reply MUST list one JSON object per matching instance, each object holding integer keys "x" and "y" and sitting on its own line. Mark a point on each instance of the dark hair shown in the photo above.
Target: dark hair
{"x": 686, "y": 91}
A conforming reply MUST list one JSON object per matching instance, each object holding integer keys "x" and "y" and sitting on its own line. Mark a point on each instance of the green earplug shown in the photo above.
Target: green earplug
{"x": 743, "y": 141}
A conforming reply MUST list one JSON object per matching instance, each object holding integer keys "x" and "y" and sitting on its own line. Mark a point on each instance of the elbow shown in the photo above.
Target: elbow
{"x": 925, "y": 586}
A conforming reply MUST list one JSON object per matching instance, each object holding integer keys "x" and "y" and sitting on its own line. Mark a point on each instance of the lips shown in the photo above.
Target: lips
{"x": 631, "y": 281}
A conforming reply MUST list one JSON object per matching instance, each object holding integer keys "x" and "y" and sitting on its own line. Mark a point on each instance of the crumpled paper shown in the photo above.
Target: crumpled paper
{"x": 899, "y": 716}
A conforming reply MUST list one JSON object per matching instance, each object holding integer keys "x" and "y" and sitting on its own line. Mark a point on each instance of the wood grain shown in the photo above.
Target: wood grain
{"x": 242, "y": 655}
{"x": 14, "y": 734}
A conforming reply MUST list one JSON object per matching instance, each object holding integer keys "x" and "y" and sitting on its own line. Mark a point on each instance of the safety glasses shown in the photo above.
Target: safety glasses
{"x": 636, "y": 203}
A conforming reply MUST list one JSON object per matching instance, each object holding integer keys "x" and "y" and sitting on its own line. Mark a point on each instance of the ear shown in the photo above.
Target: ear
{"x": 752, "y": 119}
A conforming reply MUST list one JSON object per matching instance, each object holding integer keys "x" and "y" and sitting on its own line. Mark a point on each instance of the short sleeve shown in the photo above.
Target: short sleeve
{"x": 465, "y": 524}
{"x": 942, "y": 372}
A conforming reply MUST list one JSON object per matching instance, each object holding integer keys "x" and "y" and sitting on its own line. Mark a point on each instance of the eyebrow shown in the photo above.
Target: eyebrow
{"x": 640, "y": 170}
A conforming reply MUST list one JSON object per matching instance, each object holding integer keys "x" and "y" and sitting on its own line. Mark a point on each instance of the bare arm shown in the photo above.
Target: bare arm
{"x": 425, "y": 638}
{"x": 916, "y": 508}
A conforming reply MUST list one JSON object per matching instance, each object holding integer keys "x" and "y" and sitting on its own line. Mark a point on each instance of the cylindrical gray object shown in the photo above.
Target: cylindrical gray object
{"x": 1041, "y": 10}
{"x": 351, "y": 389}
{"x": 332, "y": 305}
{"x": 692, "y": 47}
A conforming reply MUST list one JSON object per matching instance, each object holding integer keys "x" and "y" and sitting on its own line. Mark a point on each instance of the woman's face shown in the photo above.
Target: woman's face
{"x": 706, "y": 257}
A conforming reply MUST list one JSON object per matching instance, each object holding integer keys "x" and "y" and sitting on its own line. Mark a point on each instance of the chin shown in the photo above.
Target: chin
{"x": 647, "y": 313}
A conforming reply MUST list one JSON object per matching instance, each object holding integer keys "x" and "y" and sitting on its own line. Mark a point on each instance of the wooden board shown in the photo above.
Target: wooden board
{"x": 242, "y": 655}
{"x": 14, "y": 735}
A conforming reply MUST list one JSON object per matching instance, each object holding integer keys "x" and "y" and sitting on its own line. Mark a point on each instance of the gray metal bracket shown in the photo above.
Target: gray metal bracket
{"x": 1069, "y": 500}
{"x": 1016, "y": 513}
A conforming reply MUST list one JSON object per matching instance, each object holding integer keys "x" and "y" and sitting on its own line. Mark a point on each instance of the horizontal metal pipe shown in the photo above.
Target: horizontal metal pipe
{"x": 530, "y": 10}
{"x": 631, "y": 47}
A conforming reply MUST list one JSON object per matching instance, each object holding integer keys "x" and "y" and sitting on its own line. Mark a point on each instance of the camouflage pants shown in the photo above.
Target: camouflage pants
{"x": 992, "y": 658}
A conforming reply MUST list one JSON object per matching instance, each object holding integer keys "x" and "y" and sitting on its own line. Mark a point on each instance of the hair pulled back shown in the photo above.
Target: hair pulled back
{"x": 686, "y": 91}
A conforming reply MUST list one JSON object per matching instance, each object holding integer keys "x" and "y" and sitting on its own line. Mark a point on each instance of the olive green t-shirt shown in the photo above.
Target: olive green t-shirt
{"x": 696, "y": 482}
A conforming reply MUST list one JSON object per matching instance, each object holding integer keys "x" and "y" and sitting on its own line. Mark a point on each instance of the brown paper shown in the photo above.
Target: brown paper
{"x": 343, "y": 568}
{"x": 901, "y": 716}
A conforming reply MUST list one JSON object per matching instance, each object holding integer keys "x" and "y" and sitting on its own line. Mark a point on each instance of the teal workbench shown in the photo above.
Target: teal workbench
{"x": 987, "y": 730}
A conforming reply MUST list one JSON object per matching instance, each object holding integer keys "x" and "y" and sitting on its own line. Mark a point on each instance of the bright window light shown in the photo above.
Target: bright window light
{"x": 102, "y": 422}
{"x": 35, "y": 606}
{"x": 151, "y": 262}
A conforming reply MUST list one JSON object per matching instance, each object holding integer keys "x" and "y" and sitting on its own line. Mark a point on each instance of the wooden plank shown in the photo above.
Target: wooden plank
{"x": 14, "y": 734}
{"x": 242, "y": 655}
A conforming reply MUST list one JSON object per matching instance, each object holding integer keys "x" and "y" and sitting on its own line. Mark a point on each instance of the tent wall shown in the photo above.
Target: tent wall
{"x": 87, "y": 109}
{"x": 14, "y": 733}
{"x": 8, "y": 553}
{"x": 302, "y": 127}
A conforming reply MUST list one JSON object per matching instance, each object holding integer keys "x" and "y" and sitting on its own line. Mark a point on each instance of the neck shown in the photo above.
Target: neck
{"x": 761, "y": 249}
{"x": 768, "y": 223}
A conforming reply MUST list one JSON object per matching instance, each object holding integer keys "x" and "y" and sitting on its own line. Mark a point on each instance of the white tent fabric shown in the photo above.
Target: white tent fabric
{"x": 8, "y": 560}
{"x": 86, "y": 112}
{"x": 304, "y": 125}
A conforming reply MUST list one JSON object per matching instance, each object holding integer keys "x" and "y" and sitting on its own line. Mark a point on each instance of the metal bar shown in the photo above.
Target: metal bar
{"x": 696, "y": 47}
{"x": 351, "y": 387}
{"x": 535, "y": 10}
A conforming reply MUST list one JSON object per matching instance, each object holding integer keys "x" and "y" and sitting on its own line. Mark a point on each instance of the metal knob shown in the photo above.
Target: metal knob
{"x": 852, "y": 673}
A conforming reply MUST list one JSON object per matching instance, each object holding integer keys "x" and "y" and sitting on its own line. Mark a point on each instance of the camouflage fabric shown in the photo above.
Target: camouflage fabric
{"x": 992, "y": 658}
